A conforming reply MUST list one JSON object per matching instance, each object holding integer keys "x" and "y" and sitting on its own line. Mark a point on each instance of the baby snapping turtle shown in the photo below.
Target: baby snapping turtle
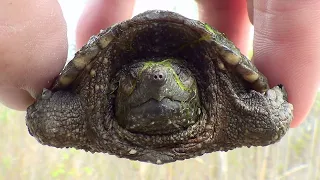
{"x": 159, "y": 88}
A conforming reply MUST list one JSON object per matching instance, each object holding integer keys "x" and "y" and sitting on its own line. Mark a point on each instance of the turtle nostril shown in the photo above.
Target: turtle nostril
{"x": 159, "y": 76}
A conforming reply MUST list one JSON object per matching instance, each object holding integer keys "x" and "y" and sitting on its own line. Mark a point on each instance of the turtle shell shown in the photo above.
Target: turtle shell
{"x": 161, "y": 34}
{"x": 238, "y": 107}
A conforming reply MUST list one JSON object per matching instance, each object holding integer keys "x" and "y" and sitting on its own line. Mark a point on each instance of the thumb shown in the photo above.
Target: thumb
{"x": 286, "y": 49}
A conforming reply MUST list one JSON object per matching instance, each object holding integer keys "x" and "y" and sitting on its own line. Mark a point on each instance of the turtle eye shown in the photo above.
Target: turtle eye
{"x": 135, "y": 69}
{"x": 186, "y": 77}
{"x": 176, "y": 69}
{"x": 127, "y": 84}
{"x": 134, "y": 72}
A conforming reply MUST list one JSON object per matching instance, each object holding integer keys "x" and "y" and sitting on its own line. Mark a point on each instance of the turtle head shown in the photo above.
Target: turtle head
{"x": 157, "y": 97}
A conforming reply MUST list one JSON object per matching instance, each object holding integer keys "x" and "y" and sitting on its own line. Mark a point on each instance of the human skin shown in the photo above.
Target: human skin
{"x": 34, "y": 43}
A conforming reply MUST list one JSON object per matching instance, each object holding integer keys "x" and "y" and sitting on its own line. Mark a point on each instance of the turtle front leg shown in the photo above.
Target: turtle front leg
{"x": 57, "y": 119}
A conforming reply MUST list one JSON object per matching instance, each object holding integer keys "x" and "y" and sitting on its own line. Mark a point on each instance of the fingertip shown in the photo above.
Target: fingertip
{"x": 250, "y": 10}
{"x": 100, "y": 14}
{"x": 33, "y": 49}
{"x": 15, "y": 98}
{"x": 229, "y": 17}
{"x": 295, "y": 123}
{"x": 286, "y": 50}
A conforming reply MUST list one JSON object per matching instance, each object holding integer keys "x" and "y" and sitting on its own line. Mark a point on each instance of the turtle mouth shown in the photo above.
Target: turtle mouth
{"x": 163, "y": 116}
{"x": 153, "y": 100}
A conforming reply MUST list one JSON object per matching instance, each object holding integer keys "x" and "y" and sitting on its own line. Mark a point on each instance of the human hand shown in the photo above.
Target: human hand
{"x": 33, "y": 49}
{"x": 284, "y": 33}
{"x": 286, "y": 42}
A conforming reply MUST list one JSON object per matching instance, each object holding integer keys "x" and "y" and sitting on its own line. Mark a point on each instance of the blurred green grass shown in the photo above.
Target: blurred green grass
{"x": 296, "y": 156}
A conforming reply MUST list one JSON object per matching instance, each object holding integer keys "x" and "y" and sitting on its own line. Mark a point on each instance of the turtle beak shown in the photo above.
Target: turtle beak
{"x": 156, "y": 78}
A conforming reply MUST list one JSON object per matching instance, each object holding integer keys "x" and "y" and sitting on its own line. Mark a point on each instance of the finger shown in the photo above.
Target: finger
{"x": 286, "y": 48}
{"x": 250, "y": 10}
{"x": 15, "y": 98}
{"x": 100, "y": 14}
{"x": 229, "y": 17}
{"x": 33, "y": 49}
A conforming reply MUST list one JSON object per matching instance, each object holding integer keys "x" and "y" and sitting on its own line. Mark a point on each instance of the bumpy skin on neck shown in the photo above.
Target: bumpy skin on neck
{"x": 237, "y": 106}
